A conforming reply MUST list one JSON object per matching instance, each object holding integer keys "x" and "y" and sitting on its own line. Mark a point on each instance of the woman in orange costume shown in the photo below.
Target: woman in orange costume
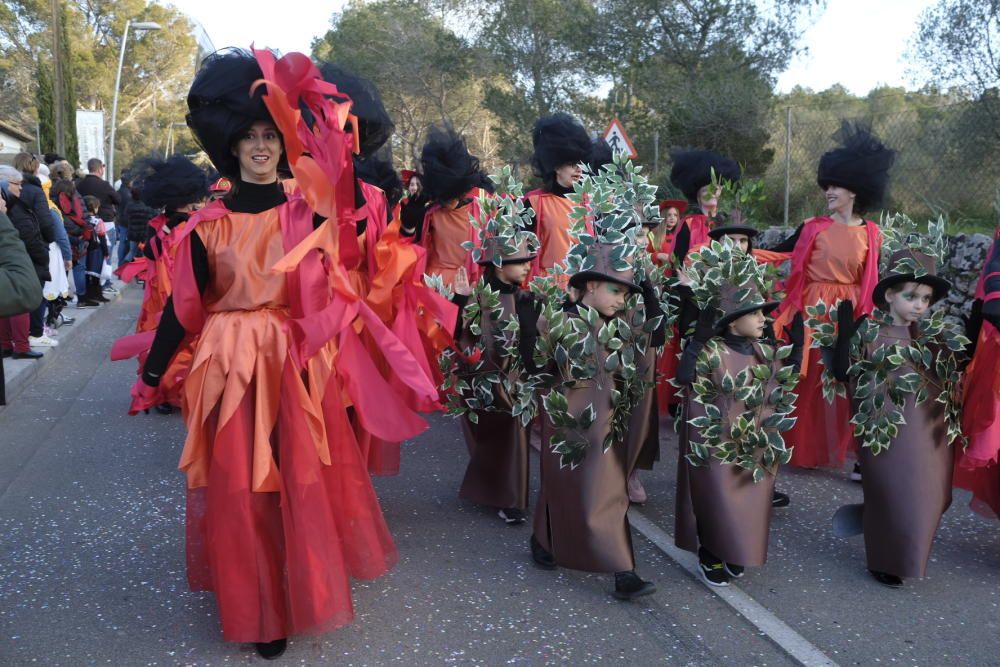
{"x": 281, "y": 512}
{"x": 177, "y": 186}
{"x": 977, "y": 469}
{"x": 561, "y": 146}
{"x": 692, "y": 174}
{"x": 452, "y": 179}
{"x": 834, "y": 258}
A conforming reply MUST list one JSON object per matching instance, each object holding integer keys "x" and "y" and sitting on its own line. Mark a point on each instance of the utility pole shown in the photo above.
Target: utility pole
{"x": 57, "y": 81}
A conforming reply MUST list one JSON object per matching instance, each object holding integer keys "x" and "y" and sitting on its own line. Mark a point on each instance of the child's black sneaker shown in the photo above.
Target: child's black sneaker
{"x": 629, "y": 586}
{"x": 542, "y": 558}
{"x": 856, "y": 473}
{"x": 512, "y": 515}
{"x": 734, "y": 571}
{"x": 886, "y": 579}
{"x": 713, "y": 570}
{"x": 779, "y": 499}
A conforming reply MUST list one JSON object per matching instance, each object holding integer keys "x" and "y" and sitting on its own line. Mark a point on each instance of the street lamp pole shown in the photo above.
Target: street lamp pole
{"x": 148, "y": 25}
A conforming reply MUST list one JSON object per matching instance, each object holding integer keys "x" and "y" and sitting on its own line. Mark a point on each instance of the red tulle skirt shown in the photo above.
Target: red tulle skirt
{"x": 822, "y": 435}
{"x": 280, "y": 563}
{"x": 977, "y": 469}
{"x": 666, "y": 369}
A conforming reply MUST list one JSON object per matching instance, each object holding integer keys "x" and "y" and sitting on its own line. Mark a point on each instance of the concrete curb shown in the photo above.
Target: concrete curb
{"x": 19, "y": 373}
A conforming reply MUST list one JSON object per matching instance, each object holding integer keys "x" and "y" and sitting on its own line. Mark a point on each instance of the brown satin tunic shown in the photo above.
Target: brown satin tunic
{"x": 908, "y": 486}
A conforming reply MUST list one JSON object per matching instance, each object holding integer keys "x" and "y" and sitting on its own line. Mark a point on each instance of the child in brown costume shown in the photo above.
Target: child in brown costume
{"x": 737, "y": 401}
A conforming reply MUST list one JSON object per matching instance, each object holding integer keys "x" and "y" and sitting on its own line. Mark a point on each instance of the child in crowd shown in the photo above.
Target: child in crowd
{"x": 737, "y": 401}
{"x": 901, "y": 368}
{"x": 588, "y": 347}
{"x": 487, "y": 385}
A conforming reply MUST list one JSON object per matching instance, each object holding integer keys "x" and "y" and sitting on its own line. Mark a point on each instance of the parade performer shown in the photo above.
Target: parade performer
{"x": 661, "y": 250}
{"x": 737, "y": 401}
{"x": 977, "y": 469}
{"x": 280, "y": 510}
{"x": 561, "y": 146}
{"x": 452, "y": 179}
{"x": 588, "y": 351}
{"x": 176, "y": 186}
{"x": 700, "y": 175}
{"x": 487, "y": 386}
{"x": 835, "y": 258}
{"x": 902, "y": 366}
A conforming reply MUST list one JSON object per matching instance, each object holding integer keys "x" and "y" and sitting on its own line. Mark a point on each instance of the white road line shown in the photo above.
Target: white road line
{"x": 797, "y": 646}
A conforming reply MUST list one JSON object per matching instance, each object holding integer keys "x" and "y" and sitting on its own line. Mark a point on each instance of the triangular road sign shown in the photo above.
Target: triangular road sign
{"x": 618, "y": 140}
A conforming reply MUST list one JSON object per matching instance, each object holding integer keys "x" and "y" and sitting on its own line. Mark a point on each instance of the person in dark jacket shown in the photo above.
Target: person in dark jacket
{"x": 19, "y": 291}
{"x": 125, "y": 249}
{"x": 33, "y": 196}
{"x": 16, "y": 330}
{"x": 93, "y": 184}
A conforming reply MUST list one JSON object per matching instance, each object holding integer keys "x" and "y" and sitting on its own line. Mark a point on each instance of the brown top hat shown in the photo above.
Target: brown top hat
{"x": 733, "y": 223}
{"x": 497, "y": 251}
{"x": 910, "y": 266}
{"x": 600, "y": 265}
{"x": 735, "y": 301}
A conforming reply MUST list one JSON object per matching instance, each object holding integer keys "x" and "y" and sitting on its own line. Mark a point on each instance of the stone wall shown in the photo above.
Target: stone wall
{"x": 966, "y": 256}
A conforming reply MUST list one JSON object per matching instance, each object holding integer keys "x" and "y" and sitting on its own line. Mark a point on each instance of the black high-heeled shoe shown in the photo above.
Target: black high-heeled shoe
{"x": 271, "y": 650}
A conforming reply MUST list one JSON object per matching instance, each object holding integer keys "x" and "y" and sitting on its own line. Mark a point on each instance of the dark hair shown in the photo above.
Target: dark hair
{"x": 61, "y": 186}
{"x": 92, "y": 203}
{"x": 93, "y": 164}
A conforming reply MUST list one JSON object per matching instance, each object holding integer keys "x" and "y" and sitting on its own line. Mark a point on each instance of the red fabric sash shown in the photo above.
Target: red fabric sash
{"x": 796, "y": 283}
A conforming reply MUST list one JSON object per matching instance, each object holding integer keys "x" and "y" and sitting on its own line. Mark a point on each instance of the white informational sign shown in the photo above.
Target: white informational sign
{"x": 90, "y": 135}
{"x": 618, "y": 140}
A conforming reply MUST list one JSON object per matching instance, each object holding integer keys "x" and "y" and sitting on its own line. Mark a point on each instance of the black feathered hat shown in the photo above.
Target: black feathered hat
{"x": 375, "y": 125}
{"x": 449, "y": 170}
{"x": 558, "y": 139}
{"x": 692, "y": 170}
{"x": 600, "y": 155}
{"x": 382, "y": 175}
{"x": 221, "y": 108}
{"x": 170, "y": 184}
{"x": 861, "y": 164}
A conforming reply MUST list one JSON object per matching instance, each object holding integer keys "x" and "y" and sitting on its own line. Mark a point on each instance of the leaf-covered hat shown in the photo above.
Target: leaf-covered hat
{"x": 606, "y": 262}
{"x": 913, "y": 257}
{"x": 860, "y": 164}
{"x": 502, "y": 224}
{"x": 725, "y": 278}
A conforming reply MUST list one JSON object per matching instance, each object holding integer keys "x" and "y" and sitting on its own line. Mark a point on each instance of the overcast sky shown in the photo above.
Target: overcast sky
{"x": 857, "y": 43}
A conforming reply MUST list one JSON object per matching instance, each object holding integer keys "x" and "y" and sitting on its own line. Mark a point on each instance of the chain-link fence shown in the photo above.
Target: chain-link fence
{"x": 948, "y": 158}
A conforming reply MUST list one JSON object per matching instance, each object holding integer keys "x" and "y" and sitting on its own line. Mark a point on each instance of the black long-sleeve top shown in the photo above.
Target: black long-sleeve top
{"x": 249, "y": 198}
{"x": 686, "y": 373}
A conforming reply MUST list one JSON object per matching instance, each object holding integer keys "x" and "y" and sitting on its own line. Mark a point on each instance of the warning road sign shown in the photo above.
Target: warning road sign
{"x": 618, "y": 140}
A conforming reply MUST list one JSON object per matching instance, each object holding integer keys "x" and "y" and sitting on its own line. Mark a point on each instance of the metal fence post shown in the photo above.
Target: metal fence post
{"x": 788, "y": 159}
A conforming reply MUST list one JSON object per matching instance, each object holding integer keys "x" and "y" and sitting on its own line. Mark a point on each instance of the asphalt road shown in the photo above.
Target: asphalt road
{"x": 92, "y": 561}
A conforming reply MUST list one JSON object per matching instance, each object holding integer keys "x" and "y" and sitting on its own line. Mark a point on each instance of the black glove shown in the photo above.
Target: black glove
{"x": 847, "y": 326}
{"x": 412, "y": 214}
{"x": 796, "y": 333}
{"x": 991, "y": 312}
{"x": 687, "y": 311}
{"x": 528, "y": 310}
{"x": 973, "y": 323}
{"x": 704, "y": 329}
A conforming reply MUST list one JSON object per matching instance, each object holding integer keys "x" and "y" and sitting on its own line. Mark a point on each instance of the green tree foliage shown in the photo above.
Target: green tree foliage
{"x": 425, "y": 73}
{"x": 957, "y": 44}
{"x": 541, "y": 47}
{"x": 699, "y": 73}
{"x": 158, "y": 69}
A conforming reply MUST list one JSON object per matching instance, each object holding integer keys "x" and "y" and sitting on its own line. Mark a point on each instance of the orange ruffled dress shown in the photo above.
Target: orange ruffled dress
{"x": 837, "y": 268}
{"x": 552, "y": 224}
{"x": 281, "y": 512}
